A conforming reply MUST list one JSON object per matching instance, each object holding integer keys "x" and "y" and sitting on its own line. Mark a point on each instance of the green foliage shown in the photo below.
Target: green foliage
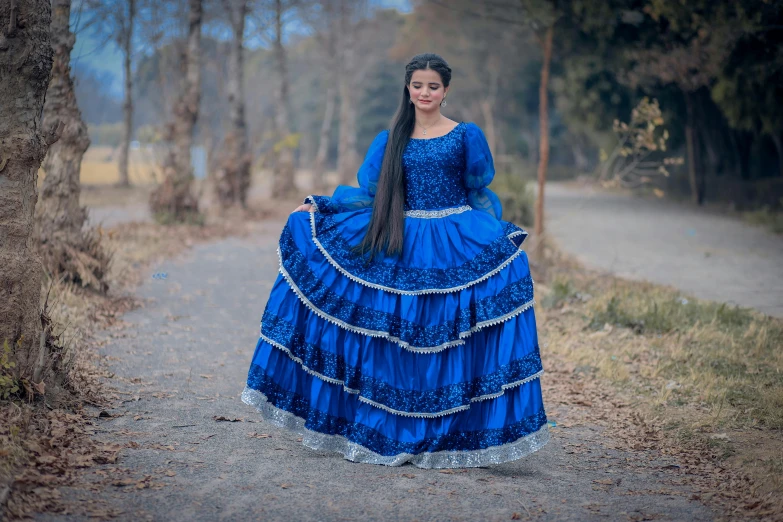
{"x": 561, "y": 291}
{"x": 661, "y": 314}
{"x": 750, "y": 86}
{"x": 767, "y": 217}
{"x": 8, "y": 383}
{"x": 516, "y": 198}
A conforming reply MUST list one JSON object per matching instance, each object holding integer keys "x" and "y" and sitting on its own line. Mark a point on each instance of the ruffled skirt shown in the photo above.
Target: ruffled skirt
{"x": 429, "y": 357}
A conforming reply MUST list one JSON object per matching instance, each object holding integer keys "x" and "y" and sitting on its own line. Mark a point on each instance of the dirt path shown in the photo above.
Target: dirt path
{"x": 181, "y": 361}
{"x": 710, "y": 256}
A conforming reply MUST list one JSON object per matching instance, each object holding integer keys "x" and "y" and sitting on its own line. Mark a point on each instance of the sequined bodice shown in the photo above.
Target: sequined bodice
{"x": 433, "y": 171}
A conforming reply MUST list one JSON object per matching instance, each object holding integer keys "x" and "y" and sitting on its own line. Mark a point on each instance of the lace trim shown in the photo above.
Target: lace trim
{"x": 372, "y": 390}
{"x": 386, "y": 334}
{"x": 430, "y": 214}
{"x": 355, "y": 452}
{"x": 311, "y": 199}
{"x": 517, "y": 252}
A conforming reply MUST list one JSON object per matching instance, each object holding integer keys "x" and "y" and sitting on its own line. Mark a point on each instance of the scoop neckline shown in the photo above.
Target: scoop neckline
{"x": 443, "y": 136}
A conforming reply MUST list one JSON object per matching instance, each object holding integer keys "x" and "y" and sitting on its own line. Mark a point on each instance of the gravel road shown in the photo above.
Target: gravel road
{"x": 181, "y": 360}
{"x": 708, "y": 255}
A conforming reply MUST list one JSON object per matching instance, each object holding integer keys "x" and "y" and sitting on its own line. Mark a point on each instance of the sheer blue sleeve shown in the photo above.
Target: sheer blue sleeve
{"x": 479, "y": 171}
{"x": 346, "y": 198}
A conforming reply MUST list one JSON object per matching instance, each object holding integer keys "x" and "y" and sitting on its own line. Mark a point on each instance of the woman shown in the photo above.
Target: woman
{"x": 401, "y": 327}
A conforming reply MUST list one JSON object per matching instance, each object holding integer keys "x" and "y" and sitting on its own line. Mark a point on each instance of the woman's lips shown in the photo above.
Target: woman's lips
{"x": 425, "y": 101}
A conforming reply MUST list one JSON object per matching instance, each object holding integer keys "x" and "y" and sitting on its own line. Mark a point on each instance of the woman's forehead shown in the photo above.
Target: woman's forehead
{"x": 426, "y": 76}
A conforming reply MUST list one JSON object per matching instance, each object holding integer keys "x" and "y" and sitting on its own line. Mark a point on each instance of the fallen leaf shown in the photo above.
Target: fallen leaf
{"x": 221, "y": 418}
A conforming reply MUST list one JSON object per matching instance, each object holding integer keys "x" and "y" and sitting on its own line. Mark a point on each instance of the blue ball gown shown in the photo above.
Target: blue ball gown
{"x": 429, "y": 356}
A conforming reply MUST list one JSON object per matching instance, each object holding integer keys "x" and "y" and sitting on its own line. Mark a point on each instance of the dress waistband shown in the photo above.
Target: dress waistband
{"x": 429, "y": 214}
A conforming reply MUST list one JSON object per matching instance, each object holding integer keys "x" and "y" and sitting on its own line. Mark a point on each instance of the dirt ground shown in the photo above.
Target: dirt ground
{"x": 180, "y": 362}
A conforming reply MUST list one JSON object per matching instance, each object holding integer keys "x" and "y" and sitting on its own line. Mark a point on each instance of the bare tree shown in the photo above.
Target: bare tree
{"x": 283, "y": 182}
{"x": 125, "y": 34}
{"x": 115, "y": 19}
{"x": 25, "y": 65}
{"x": 326, "y": 33}
{"x": 348, "y": 157}
{"x": 174, "y": 200}
{"x": 232, "y": 179}
{"x": 66, "y": 248}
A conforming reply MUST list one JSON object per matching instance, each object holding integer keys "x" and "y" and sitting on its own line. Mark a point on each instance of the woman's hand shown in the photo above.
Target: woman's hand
{"x": 305, "y": 208}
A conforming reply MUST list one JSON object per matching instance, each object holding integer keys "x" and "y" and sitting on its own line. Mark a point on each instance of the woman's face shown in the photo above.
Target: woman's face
{"x": 426, "y": 90}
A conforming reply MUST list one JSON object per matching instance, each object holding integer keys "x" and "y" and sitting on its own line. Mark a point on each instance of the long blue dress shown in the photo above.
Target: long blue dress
{"x": 429, "y": 356}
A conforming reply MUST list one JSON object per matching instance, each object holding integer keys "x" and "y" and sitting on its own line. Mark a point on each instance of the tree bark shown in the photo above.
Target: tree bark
{"x": 348, "y": 158}
{"x": 543, "y": 115}
{"x": 283, "y": 183}
{"x": 67, "y": 249}
{"x": 127, "y": 106}
{"x": 329, "y": 46}
{"x": 60, "y": 217}
{"x": 319, "y": 182}
{"x": 174, "y": 199}
{"x": 25, "y": 66}
{"x": 233, "y": 176}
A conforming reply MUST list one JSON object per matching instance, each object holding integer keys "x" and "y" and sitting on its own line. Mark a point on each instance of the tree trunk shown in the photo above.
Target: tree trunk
{"x": 486, "y": 106}
{"x": 543, "y": 115}
{"x": 347, "y": 157}
{"x": 233, "y": 176}
{"x": 690, "y": 140}
{"x": 25, "y": 66}
{"x": 60, "y": 218}
{"x": 127, "y": 106}
{"x": 66, "y": 249}
{"x": 283, "y": 182}
{"x": 174, "y": 200}
{"x": 319, "y": 182}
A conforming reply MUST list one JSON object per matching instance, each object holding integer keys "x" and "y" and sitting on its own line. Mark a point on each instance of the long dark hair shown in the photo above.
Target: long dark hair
{"x": 387, "y": 223}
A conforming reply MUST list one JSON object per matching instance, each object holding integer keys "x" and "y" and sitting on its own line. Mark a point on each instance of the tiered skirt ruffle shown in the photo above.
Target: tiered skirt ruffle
{"x": 429, "y": 357}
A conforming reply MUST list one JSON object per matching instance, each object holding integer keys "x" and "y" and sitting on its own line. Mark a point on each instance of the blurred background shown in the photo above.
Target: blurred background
{"x": 679, "y": 99}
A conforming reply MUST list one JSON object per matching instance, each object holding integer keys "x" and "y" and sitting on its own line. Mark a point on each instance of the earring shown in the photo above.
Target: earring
{"x": 443, "y": 103}
{"x": 411, "y": 101}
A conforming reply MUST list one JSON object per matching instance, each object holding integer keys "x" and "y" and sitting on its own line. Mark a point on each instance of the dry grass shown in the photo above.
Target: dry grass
{"x": 99, "y": 167}
{"x": 708, "y": 376}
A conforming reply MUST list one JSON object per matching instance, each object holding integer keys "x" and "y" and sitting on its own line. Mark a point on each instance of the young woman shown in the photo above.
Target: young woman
{"x": 401, "y": 326}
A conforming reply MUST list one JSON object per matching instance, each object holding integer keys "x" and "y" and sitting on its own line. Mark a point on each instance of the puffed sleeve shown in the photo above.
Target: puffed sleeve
{"x": 346, "y": 198}
{"x": 479, "y": 171}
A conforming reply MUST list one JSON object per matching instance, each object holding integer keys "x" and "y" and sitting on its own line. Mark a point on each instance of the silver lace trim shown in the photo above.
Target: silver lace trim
{"x": 430, "y": 214}
{"x": 377, "y": 333}
{"x": 361, "y": 281}
{"x": 358, "y": 453}
{"x": 421, "y": 415}
{"x": 312, "y": 202}
{"x": 517, "y": 233}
